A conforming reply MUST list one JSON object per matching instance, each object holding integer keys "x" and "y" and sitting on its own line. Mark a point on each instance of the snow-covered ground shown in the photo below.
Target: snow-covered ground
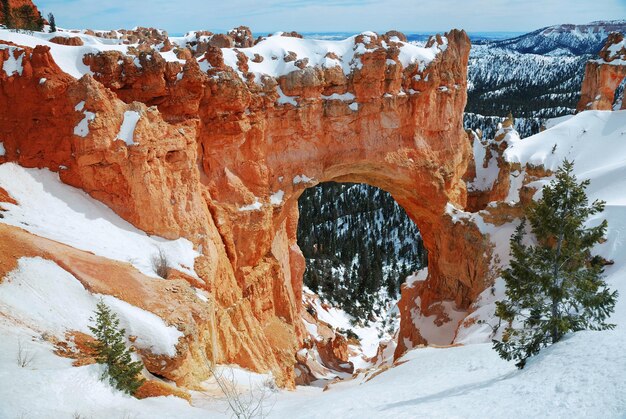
{"x": 49, "y": 208}
{"x": 370, "y": 335}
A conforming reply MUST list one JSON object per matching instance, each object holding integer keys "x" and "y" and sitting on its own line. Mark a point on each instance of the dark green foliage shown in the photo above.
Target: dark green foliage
{"x": 528, "y": 88}
{"x": 357, "y": 241}
{"x": 111, "y": 350}
{"x": 52, "y": 22}
{"x": 349, "y": 334}
{"x": 7, "y": 13}
{"x": 24, "y": 17}
{"x": 555, "y": 286}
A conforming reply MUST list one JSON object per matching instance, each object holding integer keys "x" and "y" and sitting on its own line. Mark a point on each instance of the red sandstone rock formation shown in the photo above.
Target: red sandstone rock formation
{"x": 221, "y": 158}
{"x": 604, "y": 75}
{"x": 67, "y": 40}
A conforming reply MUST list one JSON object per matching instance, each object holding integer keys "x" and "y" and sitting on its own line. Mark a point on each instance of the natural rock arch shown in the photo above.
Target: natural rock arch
{"x": 411, "y": 145}
{"x": 222, "y": 155}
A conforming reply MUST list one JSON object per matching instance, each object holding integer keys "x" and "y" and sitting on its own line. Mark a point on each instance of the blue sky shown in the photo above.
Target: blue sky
{"x": 331, "y": 15}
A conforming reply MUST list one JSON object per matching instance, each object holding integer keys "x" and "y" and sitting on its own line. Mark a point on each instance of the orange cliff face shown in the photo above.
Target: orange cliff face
{"x": 221, "y": 153}
{"x": 604, "y": 75}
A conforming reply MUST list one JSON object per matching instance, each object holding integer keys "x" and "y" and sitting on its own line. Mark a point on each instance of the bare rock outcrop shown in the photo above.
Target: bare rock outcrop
{"x": 604, "y": 75}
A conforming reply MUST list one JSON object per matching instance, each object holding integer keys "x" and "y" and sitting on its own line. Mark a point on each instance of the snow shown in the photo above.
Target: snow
{"x": 419, "y": 276}
{"x": 553, "y": 122}
{"x": 127, "y": 130}
{"x": 311, "y": 329}
{"x": 255, "y": 206}
{"x": 152, "y": 333}
{"x": 301, "y": 179}
{"x": 437, "y": 330}
{"x": 68, "y": 58}
{"x": 593, "y": 139}
{"x": 26, "y": 293}
{"x": 485, "y": 176}
{"x": 13, "y": 65}
{"x": 277, "y": 197}
{"x": 26, "y": 392}
{"x": 49, "y": 208}
{"x": 339, "y": 320}
{"x": 318, "y": 52}
{"x": 82, "y": 129}
{"x": 346, "y": 97}
{"x": 566, "y": 380}
{"x": 284, "y": 99}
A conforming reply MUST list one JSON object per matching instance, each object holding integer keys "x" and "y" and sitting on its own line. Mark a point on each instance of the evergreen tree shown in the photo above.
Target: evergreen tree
{"x": 554, "y": 286}
{"x": 52, "y": 22}
{"x": 29, "y": 20}
{"x": 7, "y": 12}
{"x": 111, "y": 350}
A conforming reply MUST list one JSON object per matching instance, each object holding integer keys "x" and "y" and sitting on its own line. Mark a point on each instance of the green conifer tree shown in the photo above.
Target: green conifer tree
{"x": 554, "y": 286}
{"x": 52, "y": 22}
{"x": 8, "y": 15}
{"x": 111, "y": 350}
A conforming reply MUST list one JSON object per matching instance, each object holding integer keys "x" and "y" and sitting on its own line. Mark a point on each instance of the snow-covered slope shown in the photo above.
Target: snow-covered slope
{"x": 535, "y": 76}
{"x": 70, "y": 58}
{"x": 502, "y": 80}
{"x": 565, "y": 39}
{"x": 49, "y": 208}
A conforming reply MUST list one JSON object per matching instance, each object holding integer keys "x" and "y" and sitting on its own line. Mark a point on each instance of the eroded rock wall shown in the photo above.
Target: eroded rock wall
{"x": 604, "y": 75}
{"x": 220, "y": 155}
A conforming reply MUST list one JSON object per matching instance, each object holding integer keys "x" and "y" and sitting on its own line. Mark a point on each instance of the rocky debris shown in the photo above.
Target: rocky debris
{"x": 221, "y": 41}
{"x": 242, "y": 37}
{"x": 290, "y": 56}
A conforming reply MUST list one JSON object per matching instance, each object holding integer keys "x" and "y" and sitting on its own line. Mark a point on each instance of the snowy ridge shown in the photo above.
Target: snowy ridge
{"x": 282, "y": 55}
{"x": 274, "y": 51}
{"x": 565, "y": 39}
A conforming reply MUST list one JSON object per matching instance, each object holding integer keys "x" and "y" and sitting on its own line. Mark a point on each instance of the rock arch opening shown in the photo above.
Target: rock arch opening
{"x": 359, "y": 246}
